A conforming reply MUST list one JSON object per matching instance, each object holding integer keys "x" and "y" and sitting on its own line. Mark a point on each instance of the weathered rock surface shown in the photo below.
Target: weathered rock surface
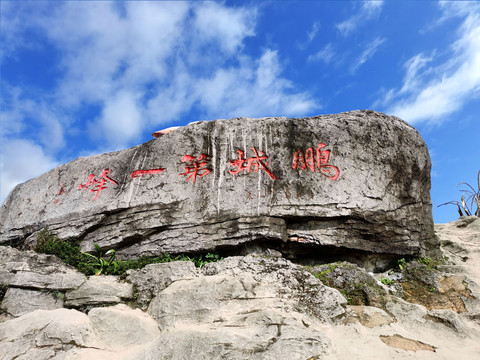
{"x": 359, "y": 286}
{"x": 120, "y": 328}
{"x": 241, "y": 307}
{"x": 21, "y": 301}
{"x": 42, "y": 334}
{"x": 99, "y": 290}
{"x": 368, "y": 316}
{"x": 358, "y": 180}
{"x": 28, "y": 269}
{"x": 108, "y": 333}
{"x": 240, "y": 286}
{"x": 259, "y": 306}
{"x": 153, "y": 278}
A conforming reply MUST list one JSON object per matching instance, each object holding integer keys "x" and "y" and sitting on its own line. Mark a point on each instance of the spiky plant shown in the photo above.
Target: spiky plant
{"x": 466, "y": 205}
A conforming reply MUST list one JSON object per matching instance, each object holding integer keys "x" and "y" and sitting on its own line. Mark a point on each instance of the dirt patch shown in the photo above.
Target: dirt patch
{"x": 399, "y": 342}
{"x": 449, "y": 295}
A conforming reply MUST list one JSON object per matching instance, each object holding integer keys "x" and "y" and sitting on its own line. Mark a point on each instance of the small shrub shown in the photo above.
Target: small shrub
{"x": 429, "y": 263}
{"x": 387, "y": 281}
{"x": 402, "y": 263}
{"x": 100, "y": 263}
{"x": 67, "y": 250}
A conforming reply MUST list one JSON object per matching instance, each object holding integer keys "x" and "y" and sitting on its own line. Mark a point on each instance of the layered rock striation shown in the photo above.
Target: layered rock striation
{"x": 357, "y": 181}
{"x": 259, "y": 306}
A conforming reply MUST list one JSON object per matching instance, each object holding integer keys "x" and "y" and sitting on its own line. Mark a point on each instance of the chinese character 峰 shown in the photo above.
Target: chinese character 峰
{"x": 98, "y": 185}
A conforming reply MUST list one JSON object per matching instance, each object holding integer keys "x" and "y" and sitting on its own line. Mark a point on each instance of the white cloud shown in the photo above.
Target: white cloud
{"x": 21, "y": 160}
{"x": 253, "y": 90}
{"x": 224, "y": 25}
{"x": 313, "y": 32}
{"x": 326, "y": 55}
{"x": 27, "y": 114}
{"x": 428, "y": 94}
{"x": 107, "y": 51}
{"x": 367, "y": 53}
{"x": 368, "y": 11}
{"x": 414, "y": 76}
{"x": 13, "y": 26}
{"x": 142, "y": 64}
{"x": 121, "y": 120}
{"x": 159, "y": 51}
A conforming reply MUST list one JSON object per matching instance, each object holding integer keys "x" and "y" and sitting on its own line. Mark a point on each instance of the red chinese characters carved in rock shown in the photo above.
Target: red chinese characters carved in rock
{"x": 254, "y": 163}
{"x": 60, "y": 193}
{"x": 98, "y": 185}
{"x": 319, "y": 158}
{"x": 63, "y": 190}
{"x": 140, "y": 173}
{"x": 196, "y": 167}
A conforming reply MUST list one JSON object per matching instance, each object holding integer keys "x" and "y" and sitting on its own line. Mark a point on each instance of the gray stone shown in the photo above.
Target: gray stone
{"x": 241, "y": 307}
{"x": 369, "y": 316}
{"x": 45, "y": 332}
{"x": 269, "y": 334}
{"x": 358, "y": 180}
{"x": 245, "y": 280}
{"x": 120, "y": 327}
{"x": 259, "y": 306}
{"x": 21, "y": 301}
{"x": 251, "y": 307}
{"x": 28, "y": 269}
{"x": 287, "y": 279}
{"x": 238, "y": 317}
{"x": 464, "y": 221}
{"x": 407, "y": 312}
{"x": 99, "y": 290}
{"x": 106, "y": 333}
{"x": 153, "y": 278}
{"x": 361, "y": 287}
{"x": 448, "y": 318}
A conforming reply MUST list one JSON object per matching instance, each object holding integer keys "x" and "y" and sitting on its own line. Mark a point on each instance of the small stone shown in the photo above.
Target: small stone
{"x": 21, "y": 301}
{"x": 371, "y": 316}
{"x": 400, "y": 342}
{"x": 99, "y": 290}
{"x": 153, "y": 278}
{"x": 28, "y": 269}
{"x": 120, "y": 327}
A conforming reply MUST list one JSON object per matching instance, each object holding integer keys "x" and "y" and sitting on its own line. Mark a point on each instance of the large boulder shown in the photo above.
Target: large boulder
{"x": 358, "y": 181}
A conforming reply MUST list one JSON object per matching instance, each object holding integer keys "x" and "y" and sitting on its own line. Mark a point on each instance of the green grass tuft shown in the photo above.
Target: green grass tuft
{"x": 105, "y": 263}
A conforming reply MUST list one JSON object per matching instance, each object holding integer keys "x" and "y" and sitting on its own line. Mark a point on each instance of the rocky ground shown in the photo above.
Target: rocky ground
{"x": 258, "y": 306}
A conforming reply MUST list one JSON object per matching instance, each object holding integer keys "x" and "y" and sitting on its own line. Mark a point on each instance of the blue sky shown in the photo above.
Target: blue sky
{"x": 85, "y": 77}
